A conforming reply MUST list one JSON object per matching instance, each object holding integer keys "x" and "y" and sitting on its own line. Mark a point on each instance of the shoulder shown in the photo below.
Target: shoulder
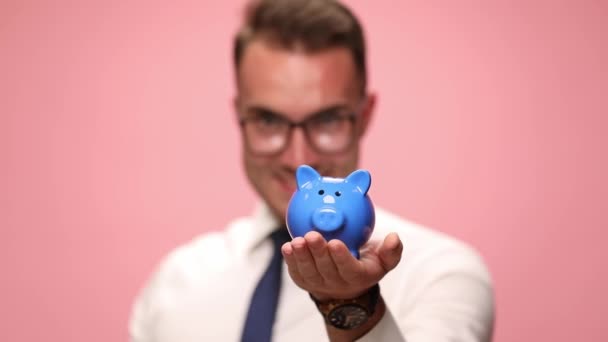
{"x": 181, "y": 273}
{"x": 441, "y": 283}
{"x": 208, "y": 253}
{"x": 431, "y": 252}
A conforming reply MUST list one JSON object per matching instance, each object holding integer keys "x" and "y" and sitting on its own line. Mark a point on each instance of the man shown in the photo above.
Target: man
{"x": 302, "y": 99}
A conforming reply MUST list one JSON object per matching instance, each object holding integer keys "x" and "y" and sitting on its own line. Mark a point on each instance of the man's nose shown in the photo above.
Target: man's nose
{"x": 298, "y": 150}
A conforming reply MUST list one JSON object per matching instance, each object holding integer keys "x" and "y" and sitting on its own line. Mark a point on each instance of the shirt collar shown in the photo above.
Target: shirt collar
{"x": 263, "y": 224}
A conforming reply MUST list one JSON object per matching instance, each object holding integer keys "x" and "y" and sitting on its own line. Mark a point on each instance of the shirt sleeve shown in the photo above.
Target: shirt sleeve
{"x": 141, "y": 320}
{"x": 137, "y": 321}
{"x": 453, "y": 301}
{"x": 151, "y": 300}
{"x": 456, "y": 307}
{"x": 386, "y": 330}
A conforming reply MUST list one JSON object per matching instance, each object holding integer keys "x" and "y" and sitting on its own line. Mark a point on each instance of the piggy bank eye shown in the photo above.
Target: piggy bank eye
{"x": 338, "y": 193}
{"x": 321, "y": 192}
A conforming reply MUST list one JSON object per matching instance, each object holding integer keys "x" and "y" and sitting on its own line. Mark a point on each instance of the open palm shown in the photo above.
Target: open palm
{"x": 327, "y": 270}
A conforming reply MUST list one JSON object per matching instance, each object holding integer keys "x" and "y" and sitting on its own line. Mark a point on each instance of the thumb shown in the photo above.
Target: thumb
{"x": 390, "y": 251}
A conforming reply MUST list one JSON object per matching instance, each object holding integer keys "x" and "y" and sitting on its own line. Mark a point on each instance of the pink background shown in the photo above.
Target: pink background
{"x": 117, "y": 142}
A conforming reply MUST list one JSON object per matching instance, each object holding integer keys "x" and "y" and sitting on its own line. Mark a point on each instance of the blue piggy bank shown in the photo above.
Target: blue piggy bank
{"x": 335, "y": 207}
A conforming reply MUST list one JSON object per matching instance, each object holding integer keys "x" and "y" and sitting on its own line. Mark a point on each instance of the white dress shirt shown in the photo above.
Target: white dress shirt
{"x": 440, "y": 291}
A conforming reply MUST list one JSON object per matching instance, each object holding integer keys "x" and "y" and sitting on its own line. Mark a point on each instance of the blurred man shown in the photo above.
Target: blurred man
{"x": 302, "y": 99}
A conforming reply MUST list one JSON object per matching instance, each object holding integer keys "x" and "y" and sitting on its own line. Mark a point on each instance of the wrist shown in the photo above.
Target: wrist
{"x": 324, "y": 297}
{"x": 351, "y": 313}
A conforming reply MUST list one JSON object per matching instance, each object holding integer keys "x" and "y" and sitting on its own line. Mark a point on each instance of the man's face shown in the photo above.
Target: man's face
{"x": 296, "y": 85}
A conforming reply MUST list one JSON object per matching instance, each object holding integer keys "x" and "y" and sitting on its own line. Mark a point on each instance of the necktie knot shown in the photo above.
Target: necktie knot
{"x": 279, "y": 237}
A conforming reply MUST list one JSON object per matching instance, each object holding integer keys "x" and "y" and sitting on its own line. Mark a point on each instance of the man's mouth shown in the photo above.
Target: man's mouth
{"x": 288, "y": 185}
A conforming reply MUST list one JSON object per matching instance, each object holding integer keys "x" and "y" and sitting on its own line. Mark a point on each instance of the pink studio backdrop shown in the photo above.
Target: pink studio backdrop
{"x": 117, "y": 143}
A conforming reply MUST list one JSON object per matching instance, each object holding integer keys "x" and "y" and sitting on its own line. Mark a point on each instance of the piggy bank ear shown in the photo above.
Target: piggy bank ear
{"x": 361, "y": 179}
{"x": 305, "y": 175}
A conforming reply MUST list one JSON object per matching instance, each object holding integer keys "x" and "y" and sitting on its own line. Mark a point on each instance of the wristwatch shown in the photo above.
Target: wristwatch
{"x": 348, "y": 314}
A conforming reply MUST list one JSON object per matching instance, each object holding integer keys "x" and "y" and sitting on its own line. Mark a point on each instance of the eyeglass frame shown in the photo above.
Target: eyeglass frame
{"x": 352, "y": 117}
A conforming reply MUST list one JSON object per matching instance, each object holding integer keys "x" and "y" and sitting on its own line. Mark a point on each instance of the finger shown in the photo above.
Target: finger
{"x": 348, "y": 266}
{"x": 292, "y": 264}
{"x": 390, "y": 251}
{"x": 320, "y": 253}
{"x": 305, "y": 262}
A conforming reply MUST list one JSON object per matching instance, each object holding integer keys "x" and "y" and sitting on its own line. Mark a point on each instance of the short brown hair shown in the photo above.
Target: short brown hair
{"x": 315, "y": 24}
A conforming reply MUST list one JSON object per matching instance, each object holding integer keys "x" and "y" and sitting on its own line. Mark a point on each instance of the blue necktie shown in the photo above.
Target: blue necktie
{"x": 263, "y": 306}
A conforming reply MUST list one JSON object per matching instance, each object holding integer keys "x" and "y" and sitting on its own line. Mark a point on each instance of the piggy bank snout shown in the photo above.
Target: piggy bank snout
{"x": 327, "y": 219}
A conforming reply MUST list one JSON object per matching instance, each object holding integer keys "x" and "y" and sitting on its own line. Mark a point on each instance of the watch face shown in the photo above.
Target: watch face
{"x": 348, "y": 316}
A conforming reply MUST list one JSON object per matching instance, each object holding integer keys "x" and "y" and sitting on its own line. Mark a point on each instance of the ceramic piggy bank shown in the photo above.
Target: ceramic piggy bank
{"x": 338, "y": 208}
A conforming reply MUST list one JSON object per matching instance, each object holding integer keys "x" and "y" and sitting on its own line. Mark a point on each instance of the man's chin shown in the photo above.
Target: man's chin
{"x": 278, "y": 211}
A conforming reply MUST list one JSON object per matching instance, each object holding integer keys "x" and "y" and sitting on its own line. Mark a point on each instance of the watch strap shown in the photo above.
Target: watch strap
{"x": 367, "y": 301}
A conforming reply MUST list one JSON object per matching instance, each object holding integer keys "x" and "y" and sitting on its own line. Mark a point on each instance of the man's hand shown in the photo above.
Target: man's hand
{"x": 327, "y": 270}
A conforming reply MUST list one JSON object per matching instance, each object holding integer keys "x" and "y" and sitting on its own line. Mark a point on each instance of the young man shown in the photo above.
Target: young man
{"x": 302, "y": 99}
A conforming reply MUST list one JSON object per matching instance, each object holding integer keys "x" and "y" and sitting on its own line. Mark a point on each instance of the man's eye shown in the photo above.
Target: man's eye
{"x": 328, "y": 119}
{"x": 327, "y": 122}
{"x": 269, "y": 120}
{"x": 268, "y": 123}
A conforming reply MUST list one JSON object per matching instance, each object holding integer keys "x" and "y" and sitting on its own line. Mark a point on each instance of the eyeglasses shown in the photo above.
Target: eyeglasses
{"x": 328, "y": 132}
